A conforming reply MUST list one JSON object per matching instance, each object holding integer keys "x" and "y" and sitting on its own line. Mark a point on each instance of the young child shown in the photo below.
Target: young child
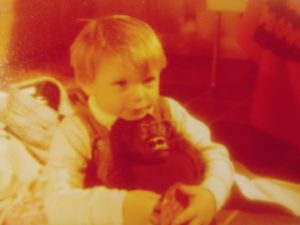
{"x": 117, "y": 62}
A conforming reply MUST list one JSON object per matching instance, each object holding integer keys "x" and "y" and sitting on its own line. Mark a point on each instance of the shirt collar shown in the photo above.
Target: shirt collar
{"x": 102, "y": 117}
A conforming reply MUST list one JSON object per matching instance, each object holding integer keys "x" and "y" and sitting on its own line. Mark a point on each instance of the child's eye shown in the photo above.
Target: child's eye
{"x": 149, "y": 80}
{"x": 120, "y": 83}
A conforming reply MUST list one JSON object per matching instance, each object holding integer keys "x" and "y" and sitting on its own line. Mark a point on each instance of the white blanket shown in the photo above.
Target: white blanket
{"x": 18, "y": 172}
{"x": 283, "y": 193}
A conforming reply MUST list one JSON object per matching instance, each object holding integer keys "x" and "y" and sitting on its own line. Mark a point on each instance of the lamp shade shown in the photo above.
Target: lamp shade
{"x": 226, "y": 5}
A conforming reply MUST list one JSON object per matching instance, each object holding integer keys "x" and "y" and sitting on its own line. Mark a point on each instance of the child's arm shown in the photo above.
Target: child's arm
{"x": 218, "y": 177}
{"x": 67, "y": 202}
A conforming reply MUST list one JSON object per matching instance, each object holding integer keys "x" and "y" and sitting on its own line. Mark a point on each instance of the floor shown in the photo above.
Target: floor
{"x": 226, "y": 109}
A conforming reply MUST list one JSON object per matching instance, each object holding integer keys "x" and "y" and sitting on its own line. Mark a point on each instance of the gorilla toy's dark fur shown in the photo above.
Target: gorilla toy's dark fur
{"x": 150, "y": 155}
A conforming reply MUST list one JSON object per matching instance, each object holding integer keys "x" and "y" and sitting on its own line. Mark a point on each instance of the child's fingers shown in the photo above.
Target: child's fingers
{"x": 138, "y": 207}
{"x": 187, "y": 215}
{"x": 155, "y": 217}
{"x": 188, "y": 189}
{"x": 154, "y": 220}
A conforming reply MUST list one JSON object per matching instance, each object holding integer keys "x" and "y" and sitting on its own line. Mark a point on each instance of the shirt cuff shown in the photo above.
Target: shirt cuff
{"x": 218, "y": 188}
{"x": 111, "y": 209}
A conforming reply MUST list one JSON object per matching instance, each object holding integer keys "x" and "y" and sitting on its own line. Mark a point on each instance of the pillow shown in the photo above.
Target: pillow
{"x": 30, "y": 118}
{"x": 32, "y": 109}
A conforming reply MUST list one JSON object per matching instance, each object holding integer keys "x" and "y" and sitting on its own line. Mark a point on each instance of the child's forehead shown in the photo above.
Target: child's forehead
{"x": 117, "y": 69}
{"x": 129, "y": 66}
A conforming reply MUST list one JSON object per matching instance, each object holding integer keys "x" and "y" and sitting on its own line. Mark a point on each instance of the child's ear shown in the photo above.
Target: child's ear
{"x": 87, "y": 88}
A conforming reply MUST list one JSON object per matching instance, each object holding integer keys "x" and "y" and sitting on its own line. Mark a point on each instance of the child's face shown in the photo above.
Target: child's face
{"x": 124, "y": 91}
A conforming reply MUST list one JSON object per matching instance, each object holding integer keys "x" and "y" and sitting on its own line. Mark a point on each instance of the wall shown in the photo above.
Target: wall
{"x": 36, "y": 33}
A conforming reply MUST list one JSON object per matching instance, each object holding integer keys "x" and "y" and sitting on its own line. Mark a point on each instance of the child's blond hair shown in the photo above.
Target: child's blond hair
{"x": 130, "y": 39}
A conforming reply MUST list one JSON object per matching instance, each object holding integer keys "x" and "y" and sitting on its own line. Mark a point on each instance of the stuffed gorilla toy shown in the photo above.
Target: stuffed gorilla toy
{"x": 148, "y": 154}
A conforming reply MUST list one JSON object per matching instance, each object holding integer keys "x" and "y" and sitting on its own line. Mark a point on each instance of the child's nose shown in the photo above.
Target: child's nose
{"x": 138, "y": 93}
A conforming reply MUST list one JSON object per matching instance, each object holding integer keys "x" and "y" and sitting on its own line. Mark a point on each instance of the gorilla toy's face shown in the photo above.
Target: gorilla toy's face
{"x": 142, "y": 141}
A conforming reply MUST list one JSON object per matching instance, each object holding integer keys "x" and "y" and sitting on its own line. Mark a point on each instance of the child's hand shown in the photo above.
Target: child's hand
{"x": 201, "y": 207}
{"x": 139, "y": 206}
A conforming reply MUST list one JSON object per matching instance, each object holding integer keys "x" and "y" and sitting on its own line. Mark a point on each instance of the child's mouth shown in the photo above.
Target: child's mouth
{"x": 140, "y": 111}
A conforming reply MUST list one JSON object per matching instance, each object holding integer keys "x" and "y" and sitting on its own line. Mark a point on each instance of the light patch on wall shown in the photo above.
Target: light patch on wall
{"x": 6, "y": 21}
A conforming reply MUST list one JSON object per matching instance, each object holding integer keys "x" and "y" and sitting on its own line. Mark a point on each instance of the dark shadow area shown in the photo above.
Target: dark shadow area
{"x": 227, "y": 108}
{"x": 259, "y": 151}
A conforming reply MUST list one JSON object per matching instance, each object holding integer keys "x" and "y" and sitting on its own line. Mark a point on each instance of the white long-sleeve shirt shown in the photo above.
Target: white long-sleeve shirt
{"x": 68, "y": 202}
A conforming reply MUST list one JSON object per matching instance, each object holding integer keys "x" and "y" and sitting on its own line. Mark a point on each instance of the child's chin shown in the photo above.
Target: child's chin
{"x": 132, "y": 117}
